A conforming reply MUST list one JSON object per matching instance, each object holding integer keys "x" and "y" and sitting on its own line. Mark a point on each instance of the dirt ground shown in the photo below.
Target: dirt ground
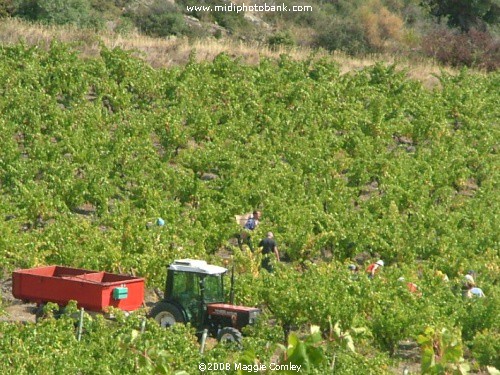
{"x": 19, "y": 312}
{"x": 15, "y": 310}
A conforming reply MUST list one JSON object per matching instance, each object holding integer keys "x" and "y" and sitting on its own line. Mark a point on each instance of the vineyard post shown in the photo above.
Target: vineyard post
{"x": 80, "y": 324}
{"x": 143, "y": 325}
{"x": 203, "y": 340}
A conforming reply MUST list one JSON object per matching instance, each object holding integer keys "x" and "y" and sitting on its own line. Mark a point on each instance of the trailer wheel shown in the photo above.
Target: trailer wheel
{"x": 166, "y": 314}
{"x": 39, "y": 314}
{"x": 230, "y": 335}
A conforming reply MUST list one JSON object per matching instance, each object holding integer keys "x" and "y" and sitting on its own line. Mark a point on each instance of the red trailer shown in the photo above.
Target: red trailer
{"x": 92, "y": 290}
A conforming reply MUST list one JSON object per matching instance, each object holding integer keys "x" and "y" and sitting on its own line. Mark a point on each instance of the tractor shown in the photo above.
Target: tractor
{"x": 194, "y": 293}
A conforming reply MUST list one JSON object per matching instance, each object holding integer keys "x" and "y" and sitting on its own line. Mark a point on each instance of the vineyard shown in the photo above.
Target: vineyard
{"x": 345, "y": 167}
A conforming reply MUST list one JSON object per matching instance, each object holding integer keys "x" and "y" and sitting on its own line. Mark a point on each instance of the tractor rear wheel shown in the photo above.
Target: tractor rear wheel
{"x": 166, "y": 314}
{"x": 230, "y": 335}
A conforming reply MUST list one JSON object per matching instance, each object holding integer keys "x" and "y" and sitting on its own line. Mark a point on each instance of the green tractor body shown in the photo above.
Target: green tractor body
{"x": 194, "y": 293}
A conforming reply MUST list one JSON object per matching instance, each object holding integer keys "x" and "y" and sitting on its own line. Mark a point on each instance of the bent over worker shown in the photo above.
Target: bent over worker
{"x": 373, "y": 268}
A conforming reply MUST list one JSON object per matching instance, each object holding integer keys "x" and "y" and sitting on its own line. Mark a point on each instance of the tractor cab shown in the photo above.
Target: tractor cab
{"x": 193, "y": 284}
{"x": 194, "y": 293}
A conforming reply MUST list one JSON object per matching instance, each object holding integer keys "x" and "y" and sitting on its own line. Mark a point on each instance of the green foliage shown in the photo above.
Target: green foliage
{"x": 348, "y": 363}
{"x": 278, "y": 39}
{"x": 303, "y": 353}
{"x": 342, "y": 35}
{"x": 233, "y": 21}
{"x": 105, "y": 347}
{"x": 479, "y": 314}
{"x": 307, "y": 353}
{"x": 159, "y": 19}
{"x": 441, "y": 352}
{"x": 59, "y": 12}
{"x": 345, "y": 338}
{"x": 486, "y": 346}
{"x": 7, "y": 8}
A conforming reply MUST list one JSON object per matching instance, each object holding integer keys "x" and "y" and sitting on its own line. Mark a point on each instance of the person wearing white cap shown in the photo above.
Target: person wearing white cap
{"x": 469, "y": 284}
{"x": 469, "y": 280}
{"x": 374, "y": 268}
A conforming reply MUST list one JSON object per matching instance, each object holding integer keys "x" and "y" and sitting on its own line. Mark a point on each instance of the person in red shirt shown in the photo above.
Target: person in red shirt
{"x": 412, "y": 287}
{"x": 373, "y": 268}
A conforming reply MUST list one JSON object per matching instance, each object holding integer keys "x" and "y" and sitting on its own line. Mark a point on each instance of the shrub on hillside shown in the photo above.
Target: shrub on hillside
{"x": 473, "y": 49}
{"x": 381, "y": 27}
{"x": 230, "y": 20}
{"x": 466, "y": 14}
{"x": 7, "y": 8}
{"x": 60, "y": 12}
{"x": 159, "y": 19}
{"x": 344, "y": 35}
{"x": 280, "y": 39}
{"x": 110, "y": 8}
{"x": 372, "y": 27}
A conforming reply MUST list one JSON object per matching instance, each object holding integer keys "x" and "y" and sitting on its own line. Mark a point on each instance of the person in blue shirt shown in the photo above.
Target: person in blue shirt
{"x": 253, "y": 221}
{"x": 477, "y": 292}
{"x": 474, "y": 291}
{"x": 250, "y": 225}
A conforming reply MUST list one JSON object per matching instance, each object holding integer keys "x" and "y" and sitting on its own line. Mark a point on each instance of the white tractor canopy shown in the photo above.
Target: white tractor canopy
{"x": 196, "y": 266}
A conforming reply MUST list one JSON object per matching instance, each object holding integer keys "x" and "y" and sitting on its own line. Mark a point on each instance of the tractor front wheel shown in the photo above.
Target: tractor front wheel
{"x": 230, "y": 335}
{"x": 166, "y": 314}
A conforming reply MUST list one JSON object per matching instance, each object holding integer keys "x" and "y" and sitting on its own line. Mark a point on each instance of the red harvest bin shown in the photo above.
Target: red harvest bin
{"x": 93, "y": 290}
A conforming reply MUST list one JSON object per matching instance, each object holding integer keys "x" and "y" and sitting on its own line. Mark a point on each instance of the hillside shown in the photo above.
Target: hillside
{"x": 457, "y": 33}
{"x": 371, "y": 162}
{"x": 164, "y": 53}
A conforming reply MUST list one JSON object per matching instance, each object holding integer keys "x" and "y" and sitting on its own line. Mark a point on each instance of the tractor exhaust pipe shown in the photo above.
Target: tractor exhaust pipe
{"x": 231, "y": 292}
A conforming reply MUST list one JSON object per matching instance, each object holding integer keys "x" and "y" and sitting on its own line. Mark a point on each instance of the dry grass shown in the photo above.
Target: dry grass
{"x": 176, "y": 51}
